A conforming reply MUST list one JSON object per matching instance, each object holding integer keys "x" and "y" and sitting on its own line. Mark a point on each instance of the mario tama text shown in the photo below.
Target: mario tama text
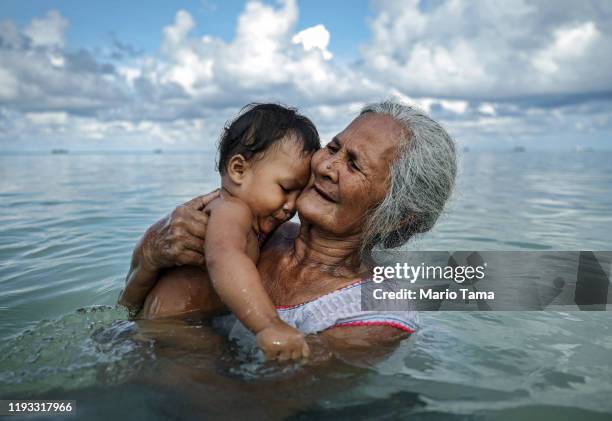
{"x": 462, "y": 275}
{"x": 432, "y": 294}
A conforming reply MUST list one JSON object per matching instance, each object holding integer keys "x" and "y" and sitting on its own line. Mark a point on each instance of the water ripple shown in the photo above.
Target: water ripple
{"x": 68, "y": 225}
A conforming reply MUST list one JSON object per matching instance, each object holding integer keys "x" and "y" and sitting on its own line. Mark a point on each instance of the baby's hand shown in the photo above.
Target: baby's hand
{"x": 279, "y": 341}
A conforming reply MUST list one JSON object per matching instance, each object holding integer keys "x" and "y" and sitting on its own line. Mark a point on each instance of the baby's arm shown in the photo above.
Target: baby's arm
{"x": 235, "y": 278}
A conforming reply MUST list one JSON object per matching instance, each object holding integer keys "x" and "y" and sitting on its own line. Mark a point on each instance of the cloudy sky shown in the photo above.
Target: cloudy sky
{"x": 161, "y": 74}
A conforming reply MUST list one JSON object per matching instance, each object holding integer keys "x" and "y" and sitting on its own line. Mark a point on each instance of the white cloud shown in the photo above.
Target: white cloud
{"x": 458, "y": 107}
{"x": 37, "y": 74}
{"x": 267, "y": 60}
{"x": 51, "y": 118}
{"x": 568, "y": 44}
{"x": 474, "y": 66}
{"x": 8, "y": 85}
{"x": 47, "y": 31}
{"x": 496, "y": 50}
{"x": 315, "y": 37}
{"x": 487, "y": 108}
{"x": 175, "y": 34}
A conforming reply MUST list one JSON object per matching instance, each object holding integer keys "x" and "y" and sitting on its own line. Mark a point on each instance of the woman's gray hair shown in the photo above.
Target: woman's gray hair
{"x": 421, "y": 179}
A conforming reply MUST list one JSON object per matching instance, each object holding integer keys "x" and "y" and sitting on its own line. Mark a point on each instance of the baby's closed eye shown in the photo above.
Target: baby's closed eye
{"x": 291, "y": 188}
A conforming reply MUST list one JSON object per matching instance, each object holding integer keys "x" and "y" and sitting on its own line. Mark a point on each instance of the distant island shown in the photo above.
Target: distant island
{"x": 59, "y": 151}
{"x": 518, "y": 149}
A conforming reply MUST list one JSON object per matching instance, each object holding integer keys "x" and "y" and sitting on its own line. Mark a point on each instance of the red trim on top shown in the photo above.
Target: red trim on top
{"x": 374, "y": 323}
{"x": 358, "y": 281}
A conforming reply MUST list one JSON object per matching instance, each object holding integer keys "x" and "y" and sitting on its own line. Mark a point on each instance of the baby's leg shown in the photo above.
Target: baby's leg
{"x": 183, "y": 292}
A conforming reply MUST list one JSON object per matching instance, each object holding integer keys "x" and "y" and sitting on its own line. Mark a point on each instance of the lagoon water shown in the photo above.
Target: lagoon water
{"x": 68, "y": 224}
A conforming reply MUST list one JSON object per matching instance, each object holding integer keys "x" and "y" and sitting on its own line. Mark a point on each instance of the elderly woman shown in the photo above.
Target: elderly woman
{"x": 383, "y": 179}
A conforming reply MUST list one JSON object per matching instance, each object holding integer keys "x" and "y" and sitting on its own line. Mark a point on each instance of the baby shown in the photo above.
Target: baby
{"x": 264, "y": 162}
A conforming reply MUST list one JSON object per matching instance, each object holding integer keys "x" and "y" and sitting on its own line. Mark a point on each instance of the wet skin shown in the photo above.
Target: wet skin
{"x": 300, "y": 263}
{"x": 257, "y": 195}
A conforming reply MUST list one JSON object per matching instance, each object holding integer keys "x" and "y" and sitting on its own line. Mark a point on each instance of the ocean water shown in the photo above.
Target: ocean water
{"x": 68, "y": 224}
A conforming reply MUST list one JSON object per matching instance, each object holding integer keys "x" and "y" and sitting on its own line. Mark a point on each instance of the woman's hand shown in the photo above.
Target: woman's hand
{"x": 178, "y": 239}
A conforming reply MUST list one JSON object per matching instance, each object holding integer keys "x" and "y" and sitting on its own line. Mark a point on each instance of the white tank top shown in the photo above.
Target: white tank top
{"x": 342, "y": 307}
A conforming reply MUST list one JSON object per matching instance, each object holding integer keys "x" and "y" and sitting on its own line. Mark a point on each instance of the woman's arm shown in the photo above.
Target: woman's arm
{"x": 142, "y": 275}
{"x": 186, "y": 291}
{"x": 362, "y": 344}
{"x": 175, "y": 240}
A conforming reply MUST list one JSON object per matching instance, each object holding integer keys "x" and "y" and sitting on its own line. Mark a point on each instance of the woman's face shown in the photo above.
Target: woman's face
{"x": 350, "y": 175}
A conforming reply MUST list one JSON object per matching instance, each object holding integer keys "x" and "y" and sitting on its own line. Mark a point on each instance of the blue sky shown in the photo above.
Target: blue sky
{"x": 99, "y": 23}
{"x": 132, "y": 75}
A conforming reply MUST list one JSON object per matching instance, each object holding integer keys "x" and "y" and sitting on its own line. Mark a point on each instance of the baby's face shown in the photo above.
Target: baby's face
{"x": 274, "y": 183}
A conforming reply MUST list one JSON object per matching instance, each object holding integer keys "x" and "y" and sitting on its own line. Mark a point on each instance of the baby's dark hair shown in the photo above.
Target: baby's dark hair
{"x": 259, "y": 126}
